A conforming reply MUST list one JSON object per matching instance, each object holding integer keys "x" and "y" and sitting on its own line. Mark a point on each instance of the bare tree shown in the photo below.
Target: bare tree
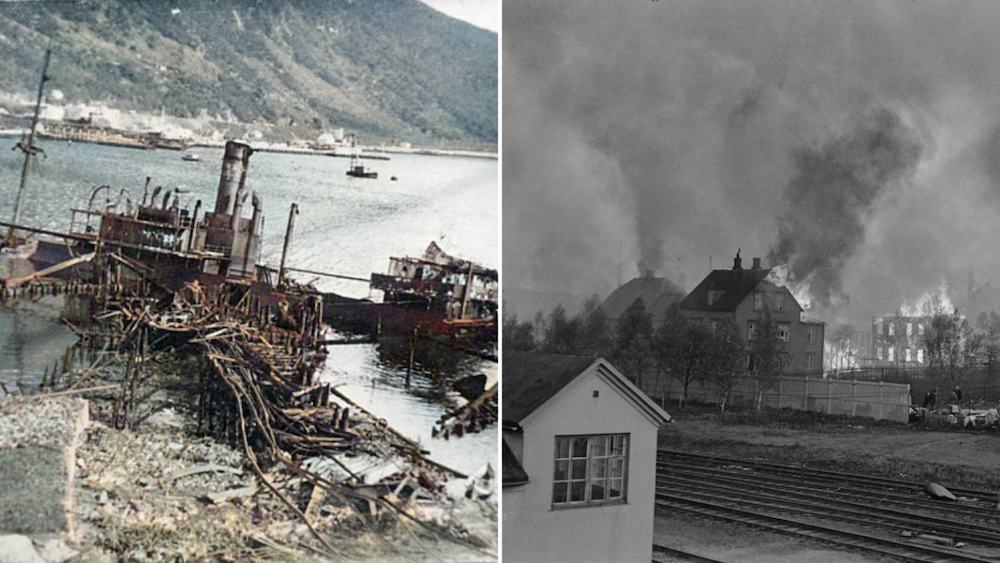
{"x": 562, "y": 333}
{"x": 988, "y": 325}
{"x": 766, "y": 354}
{"x": 595, "y": 330}
{"x": 633, "y": 341}
{"x": 517, "y": 336}
{"x": 728, "y": 361}
{"x": 684, "y": 350}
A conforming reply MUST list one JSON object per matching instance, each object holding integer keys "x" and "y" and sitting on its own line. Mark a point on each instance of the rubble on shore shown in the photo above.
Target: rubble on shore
{"x": 161, "y": 492}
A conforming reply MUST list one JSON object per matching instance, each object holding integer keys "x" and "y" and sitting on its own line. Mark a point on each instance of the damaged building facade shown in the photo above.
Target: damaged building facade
{"x": 898, "y": 341}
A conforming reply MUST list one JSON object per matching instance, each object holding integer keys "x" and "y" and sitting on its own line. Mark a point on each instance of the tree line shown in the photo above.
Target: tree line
{"x": 678, "y": 347}
{"x": 693, "y": 352}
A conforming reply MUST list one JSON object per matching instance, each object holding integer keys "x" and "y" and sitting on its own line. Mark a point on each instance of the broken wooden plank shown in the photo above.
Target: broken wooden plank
{"x": 202, "y": 468}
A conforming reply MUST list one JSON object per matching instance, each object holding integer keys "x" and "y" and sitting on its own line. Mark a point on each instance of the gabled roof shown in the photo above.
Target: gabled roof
{"x": 658, "y": 294}
{"x": 531, "y": 379}
{"x": 513, "y": 473}
{"x": 733, "y": 287}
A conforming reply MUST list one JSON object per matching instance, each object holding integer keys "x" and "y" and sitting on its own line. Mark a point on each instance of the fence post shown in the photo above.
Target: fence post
{"x": 829, "y": 397}
{"x": 881, "y": 401}
{"x": 854, "y": 398}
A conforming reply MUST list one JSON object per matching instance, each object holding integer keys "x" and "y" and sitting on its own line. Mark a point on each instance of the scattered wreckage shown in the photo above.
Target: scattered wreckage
{"x": 969, "y": 418}
{"x": 159, "y": 280}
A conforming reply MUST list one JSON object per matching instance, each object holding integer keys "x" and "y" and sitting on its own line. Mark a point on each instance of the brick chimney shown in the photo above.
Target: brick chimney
{"x": 737, "y": 262}
{"x": 756, "y": 264}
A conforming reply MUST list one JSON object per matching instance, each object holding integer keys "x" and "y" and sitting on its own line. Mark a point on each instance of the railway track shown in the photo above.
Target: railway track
{"x": 851, "y": 511}
{"x": 675, "y": 554}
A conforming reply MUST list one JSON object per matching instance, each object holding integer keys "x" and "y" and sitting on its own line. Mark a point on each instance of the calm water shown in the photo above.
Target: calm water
{"x": 345, "y": 226}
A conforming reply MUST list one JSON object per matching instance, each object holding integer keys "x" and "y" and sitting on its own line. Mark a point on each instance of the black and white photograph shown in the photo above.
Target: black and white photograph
{"x": 249, "y": 280}
{"x": 751, "y": 286}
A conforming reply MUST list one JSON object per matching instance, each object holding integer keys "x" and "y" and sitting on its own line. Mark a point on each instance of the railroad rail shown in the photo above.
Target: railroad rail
{"x": 973, "y": 505}
{"x": 850, "y": 511}
{"x": 676, "y": 554}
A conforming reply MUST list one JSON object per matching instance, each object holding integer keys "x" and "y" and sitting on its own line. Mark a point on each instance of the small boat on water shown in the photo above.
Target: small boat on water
{"x": 190, "y": 156}
{"x": 357, "y": 170}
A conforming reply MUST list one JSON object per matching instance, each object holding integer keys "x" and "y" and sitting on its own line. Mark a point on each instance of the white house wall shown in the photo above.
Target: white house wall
{"x": 535, "y": 532}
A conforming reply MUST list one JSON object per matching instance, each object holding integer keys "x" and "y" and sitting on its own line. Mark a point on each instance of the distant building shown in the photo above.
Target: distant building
{"x": 742, "y": 296}
{"x": 579, "y": 461}
{"x": 657, "y": 294}
{"x": 982, "y": 299}
{"x": 898, "y": 341}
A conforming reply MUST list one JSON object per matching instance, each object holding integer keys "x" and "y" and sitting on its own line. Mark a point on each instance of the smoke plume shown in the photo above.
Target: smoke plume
{"x": 830, "y": 198}
{"x": 854, "y": 142}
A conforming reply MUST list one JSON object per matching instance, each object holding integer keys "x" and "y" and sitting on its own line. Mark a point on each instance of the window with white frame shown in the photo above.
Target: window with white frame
{"x": 810, "y": 361}
{"x": 811, "y": 334}
{"x": 758, "y": 301}
{"x": 779, "y": 302}
{"x": 751, "y": 330}
{"x": 590, "y": 470}
{"x": 715, "y": 324}
{"x": 909, "y": 357}
{"x": 878, "y": 352}
{"x": 892, "y": 354}
{"x": 784, "y": 331}
{"x": 892, "y": 329}
{"x": 920, "y": 355}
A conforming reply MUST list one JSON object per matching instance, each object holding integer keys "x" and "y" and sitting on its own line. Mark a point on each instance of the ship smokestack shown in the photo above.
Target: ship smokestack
{"x": 233, "y": 178}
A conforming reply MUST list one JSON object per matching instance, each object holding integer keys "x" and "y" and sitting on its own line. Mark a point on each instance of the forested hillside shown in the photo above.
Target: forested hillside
{"x": 387, "y": 68}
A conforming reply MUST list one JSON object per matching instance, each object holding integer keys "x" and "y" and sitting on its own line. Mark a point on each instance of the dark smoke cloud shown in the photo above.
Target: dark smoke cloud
{"x": 668, "y": 134}
{"x": 830, "y": 198}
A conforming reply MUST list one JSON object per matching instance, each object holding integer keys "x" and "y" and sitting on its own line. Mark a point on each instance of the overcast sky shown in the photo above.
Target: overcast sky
{"x": 480, "y": 13}
{"x": 856, "y": 143}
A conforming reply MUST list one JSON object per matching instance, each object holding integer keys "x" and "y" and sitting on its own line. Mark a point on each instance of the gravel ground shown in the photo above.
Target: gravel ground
{"x": 865, "y": 446}
{"x": 38, "y": 441}
{"x": 159, "y": 493}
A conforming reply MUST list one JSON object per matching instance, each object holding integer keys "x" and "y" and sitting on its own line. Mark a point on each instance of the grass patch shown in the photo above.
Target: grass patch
{"x": 782, "y": 423}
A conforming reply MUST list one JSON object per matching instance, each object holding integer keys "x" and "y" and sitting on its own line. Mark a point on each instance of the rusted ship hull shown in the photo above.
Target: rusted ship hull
{"x": 362, "y": 316}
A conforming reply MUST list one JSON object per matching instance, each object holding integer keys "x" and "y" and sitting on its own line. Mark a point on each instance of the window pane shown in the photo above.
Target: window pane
{"x": 580, "y": 447}
{"x": 562, "y": 471}
{"x": 599, "y": 445}
{"x": 598, "y": 468}
{"x": 559, "y": 492}
{"x": 579, "y": 469}
{"x": 618, "y": 446}
{"x": 597, "y": 489}
{"x": 617, "y": 467}
{"x": 615, "y": 486}
{"x": 577, "y": 489}
{"x": 562, "y": 447}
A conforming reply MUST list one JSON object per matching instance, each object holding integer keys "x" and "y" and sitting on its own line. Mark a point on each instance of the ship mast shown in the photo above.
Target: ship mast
{"x": 29, "y": 148}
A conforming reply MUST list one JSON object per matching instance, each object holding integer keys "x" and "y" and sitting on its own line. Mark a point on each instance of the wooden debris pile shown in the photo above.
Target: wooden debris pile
{"x": 471, "y": 417}
{"x": 251, "y": 356}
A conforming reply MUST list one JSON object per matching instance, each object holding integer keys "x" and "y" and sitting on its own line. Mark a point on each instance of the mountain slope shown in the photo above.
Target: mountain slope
{"x": 389, "y": 68}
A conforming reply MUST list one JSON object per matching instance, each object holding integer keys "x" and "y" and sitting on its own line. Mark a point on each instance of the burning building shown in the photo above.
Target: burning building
{"x": 898, "y": 341}
{"x": 744, "y": 297}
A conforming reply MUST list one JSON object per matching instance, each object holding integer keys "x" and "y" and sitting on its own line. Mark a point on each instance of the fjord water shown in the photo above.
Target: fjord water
{"x": 346, "y": 226}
